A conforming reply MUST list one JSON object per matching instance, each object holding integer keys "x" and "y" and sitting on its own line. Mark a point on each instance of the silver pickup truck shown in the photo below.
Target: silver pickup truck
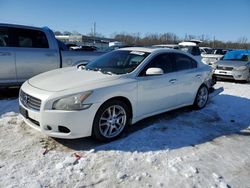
{"x": 27, "y": 51}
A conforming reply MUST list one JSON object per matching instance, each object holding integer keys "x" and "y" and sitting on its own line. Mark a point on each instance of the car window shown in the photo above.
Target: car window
{"x": 118, "y": 62}
{"x": 202, "y": 50}
{"x": 163, "y": 61}
{"x": 194, "y": 50}
{"x": 4, "y": 37}
{"x": 183, "y": 62}
{"x": 28, "y": 38}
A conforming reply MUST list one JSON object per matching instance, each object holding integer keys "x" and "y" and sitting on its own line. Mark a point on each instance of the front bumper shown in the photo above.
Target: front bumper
{"x": 233, "y": 74}
{"x": 76, "y": 124}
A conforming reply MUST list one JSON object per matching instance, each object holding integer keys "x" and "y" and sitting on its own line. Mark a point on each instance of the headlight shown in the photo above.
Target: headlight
{"x": 241, "y": 68}
{"x": 73, "y": 102}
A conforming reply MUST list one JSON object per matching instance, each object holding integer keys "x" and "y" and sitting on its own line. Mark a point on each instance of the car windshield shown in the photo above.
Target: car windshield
{"x": 219, "y": 51}
{"x": 237, "y": 56}
{"x": 118, "y": 62}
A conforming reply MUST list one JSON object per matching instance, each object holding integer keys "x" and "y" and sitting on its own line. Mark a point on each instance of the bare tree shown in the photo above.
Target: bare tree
{"x": 171, "y": 38}
{"x": 243, "y": 42}
{"x": 57, "y": 33}
{"x": 67, "y": 33}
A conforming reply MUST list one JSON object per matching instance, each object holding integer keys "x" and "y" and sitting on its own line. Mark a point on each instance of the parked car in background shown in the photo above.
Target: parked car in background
{"x": 235, "y": 65}
{"x": 214, "y": 56}
{"x": 119, "y": 88}
{"x": 219, "y": 51}
{"x": 27, "y": 51}
{"x": 72, "y": 46}
{"x": 170, "y": 46}
{"x": 192, "y": 48}
{"x": 205, "y": 50}
{"x": 88, "y": 48}
{"x": 76, "y": 47}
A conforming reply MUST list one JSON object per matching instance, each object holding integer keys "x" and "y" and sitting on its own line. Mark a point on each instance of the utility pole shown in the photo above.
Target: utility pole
{"x": 94, "y": 31}
{"x": 214, "y": 42}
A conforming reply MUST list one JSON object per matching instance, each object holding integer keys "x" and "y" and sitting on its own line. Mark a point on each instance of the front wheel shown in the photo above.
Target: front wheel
{"x": 201, "y": 97}
{"x": 110, "y": 120}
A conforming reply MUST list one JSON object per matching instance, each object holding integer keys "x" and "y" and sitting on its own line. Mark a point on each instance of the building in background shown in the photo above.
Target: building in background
{"x": 83, "y": 40}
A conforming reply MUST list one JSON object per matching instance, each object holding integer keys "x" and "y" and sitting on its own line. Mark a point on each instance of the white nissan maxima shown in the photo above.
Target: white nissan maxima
{"x": 117, "y": 89}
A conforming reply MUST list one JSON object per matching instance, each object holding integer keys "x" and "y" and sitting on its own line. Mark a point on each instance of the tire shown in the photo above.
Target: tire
{"x": 201, "y": 98}
{"x": 110, "y": 120}
{"x": 214, "y": 80}
{"x": 248, "y": 78}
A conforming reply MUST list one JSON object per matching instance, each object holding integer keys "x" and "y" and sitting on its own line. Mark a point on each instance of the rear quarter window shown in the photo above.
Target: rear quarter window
{"x": 28, "y": 38}
{"x": 183, "y": 62}
{"x": 4, "y": 37}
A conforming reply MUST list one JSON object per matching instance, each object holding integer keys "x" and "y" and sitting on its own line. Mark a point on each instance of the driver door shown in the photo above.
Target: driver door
{"x": 158, "y": 93}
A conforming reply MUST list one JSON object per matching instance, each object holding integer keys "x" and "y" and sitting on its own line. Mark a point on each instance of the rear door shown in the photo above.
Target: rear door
{"x": 33, "y": 53}
{"x": 7, "y": 58}
{"x": 189, "y": 77}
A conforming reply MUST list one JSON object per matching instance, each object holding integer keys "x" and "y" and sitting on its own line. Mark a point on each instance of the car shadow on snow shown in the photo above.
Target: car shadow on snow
{"x": 88, "y": 143}
{"x": 224, "y": 115}
{"x": 233, "y": 81}
{"x": 9, "y": 93}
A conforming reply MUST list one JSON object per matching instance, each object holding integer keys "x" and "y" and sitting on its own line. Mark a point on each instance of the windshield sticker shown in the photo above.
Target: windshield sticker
{"x": 137, "y": 53}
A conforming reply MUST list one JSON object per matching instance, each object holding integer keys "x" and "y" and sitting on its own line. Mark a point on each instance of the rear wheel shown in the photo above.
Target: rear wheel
{"x": 201, "y": 97}
{"x": 110, "y": 120}
{"x": 248, "y": 78}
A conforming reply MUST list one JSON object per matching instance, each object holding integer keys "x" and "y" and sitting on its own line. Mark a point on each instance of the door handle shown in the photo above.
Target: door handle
{"x": 198, "y": 76}
{"x": 5, "y": 54}
{"x": 172, "y": 81}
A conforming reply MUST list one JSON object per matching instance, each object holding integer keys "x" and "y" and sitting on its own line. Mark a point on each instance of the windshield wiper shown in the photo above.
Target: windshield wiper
{"x": 100, "y": 70}
{"x": 105, "y": 72}
{"x": 92, "y": 69}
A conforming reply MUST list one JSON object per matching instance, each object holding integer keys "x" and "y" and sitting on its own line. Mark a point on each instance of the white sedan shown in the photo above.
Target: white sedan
{"x": 117, "y": 89}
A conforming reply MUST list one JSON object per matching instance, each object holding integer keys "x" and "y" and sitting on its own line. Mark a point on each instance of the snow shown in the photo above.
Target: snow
{"x": 182, "y": 148}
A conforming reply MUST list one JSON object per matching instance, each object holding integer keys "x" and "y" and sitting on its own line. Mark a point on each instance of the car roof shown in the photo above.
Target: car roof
{"x": 187, "y": 44}
{"x": 149, "y": 50}
{"x": 165, "y": 45}
{"x": 21, "y": 26}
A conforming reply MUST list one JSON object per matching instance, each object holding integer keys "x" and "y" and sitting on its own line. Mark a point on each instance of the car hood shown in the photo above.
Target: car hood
{"x": 229, "y": 63}
{"x": 68, "y": 78}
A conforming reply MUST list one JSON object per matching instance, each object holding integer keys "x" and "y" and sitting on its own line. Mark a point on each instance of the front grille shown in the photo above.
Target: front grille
{"x": 29, "y": 101}
{"x": 224, "y": 68}
{"x": 224, "y": 76}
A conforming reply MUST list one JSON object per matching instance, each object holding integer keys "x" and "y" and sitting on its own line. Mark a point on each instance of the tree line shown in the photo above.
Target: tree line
{"x": 136, "y": 39}
{"x": 171, "y": 38}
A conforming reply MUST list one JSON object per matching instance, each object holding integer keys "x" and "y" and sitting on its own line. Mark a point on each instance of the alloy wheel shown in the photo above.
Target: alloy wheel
{"x": 112, "y": 121}
{"x": 202, "y": 97}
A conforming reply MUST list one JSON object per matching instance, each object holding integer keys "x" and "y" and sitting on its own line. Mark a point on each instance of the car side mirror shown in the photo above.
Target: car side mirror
{"x": 154, "y": 71}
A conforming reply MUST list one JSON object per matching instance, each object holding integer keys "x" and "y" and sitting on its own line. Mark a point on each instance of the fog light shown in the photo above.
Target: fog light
{"x": 63, "y": 129}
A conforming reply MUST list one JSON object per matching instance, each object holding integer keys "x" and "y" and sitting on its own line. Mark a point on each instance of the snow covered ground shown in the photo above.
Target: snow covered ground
{"x": 182, "y": 148}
